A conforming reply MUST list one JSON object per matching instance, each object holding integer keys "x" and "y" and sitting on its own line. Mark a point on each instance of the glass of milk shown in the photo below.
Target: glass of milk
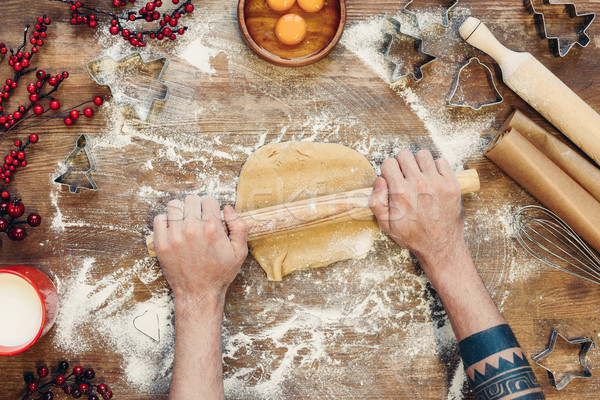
{"x": 28, "y": 307}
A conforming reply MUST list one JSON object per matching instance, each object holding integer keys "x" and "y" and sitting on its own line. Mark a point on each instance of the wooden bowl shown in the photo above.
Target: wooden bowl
{"x": 291, "y": 62}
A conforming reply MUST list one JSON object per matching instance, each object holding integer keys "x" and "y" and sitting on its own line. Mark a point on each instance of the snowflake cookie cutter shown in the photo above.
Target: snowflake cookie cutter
{"x": 75, "y": 187}
{"x": 586, "y": 344}
{"x": 452, "y": 102}
{"x": 391, "y": 29}
{"x": 102, "y": 70}
{"x": 445, "y": 15}
{"x": 554, "y": 41}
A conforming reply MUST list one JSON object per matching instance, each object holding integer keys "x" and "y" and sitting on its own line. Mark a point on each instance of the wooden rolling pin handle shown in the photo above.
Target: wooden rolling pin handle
{"x": 319, "y": 211}
{"x": 474, "y": 32}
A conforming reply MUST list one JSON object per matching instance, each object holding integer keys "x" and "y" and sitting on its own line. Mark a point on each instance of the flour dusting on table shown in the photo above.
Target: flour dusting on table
{"x": 380, "y": 310}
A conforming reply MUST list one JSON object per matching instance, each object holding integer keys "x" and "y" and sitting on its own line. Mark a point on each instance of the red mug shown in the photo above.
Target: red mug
{"x": 28, "y": 307}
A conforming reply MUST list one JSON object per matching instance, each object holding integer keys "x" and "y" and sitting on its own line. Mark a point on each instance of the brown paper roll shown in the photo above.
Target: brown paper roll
{"x": 535, "y": 172}
{"x": 575, "y": 165}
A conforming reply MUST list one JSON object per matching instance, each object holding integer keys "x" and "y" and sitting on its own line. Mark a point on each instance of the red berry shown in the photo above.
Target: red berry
{"x": 23, "y": 163}
{"x": 68, "y": 389}
{"x": 126, "y": 33}
{"x": 5, "y": 195}
{"x": 25, "y": 63}
{"x": 32, "y": 387}
{"x": 38, "y": 109}
{"x": 33, "y": 138}
{"x": 88, "y": 112}
{"x": 18, "y": 233}
{"x": 167, "y": 31}
{"x": 34, "y": 97}
{"x": 93, "y": 24}
{"x": 31, "y": 88}
{"x": 8, "y": 159}
{"x": 173, "y": 22}
{"x": 21, "y": 155}
{"x": 98, "y": 100}
{"x": 53, "y": 81}
{"x": 65, "y": 75}
{"x": 54, "y": 104}
{"x": 34, "y": 219}
{"x": 18, "y": 143}
{"x": 74, "y": 114}
{"x": 102, "y": 388}
{"x": 68, "y": 121}
{"x": 78, "y": 371}
{"x": 114, "y": 30}
{"x": 189, "y": 8}
{"x": 3, "y": 225}
{"x": 17, "y": 115}
{"x": 43, "y": 371}
{"x": 16, "y": 208}
{"x": 83, "y": 387}
{"x": 108, "y": 395}
{"x": 60, "y": 379}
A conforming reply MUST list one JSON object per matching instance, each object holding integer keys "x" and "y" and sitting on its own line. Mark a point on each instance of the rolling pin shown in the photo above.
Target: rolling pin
{"x": 319, "y": 211}
{"x": 539, "y": 87}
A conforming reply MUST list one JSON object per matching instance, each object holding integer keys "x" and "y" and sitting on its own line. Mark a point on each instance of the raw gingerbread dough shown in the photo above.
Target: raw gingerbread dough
{"x": 283, "y": 172}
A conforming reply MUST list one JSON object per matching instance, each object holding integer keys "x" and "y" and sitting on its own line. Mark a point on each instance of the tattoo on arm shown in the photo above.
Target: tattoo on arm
{"x": 496, "y": 367}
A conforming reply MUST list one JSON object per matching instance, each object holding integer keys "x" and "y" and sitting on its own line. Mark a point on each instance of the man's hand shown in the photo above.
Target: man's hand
{"x": 196, "y": 254}
{"x": 417, "y": 203}
{"x": 200, "y": 261}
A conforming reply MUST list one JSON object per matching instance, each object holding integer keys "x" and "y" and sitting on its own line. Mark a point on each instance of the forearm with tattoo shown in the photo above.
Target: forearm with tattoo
{"x": 496, "y": 367}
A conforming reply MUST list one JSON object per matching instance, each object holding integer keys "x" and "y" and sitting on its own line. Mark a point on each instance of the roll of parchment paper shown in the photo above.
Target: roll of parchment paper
{"x": 584, "y": 172}
{"x": 537, "y": 174}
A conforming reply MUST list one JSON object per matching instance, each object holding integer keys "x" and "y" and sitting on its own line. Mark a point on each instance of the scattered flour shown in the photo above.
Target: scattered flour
{"x": 377, "y": 311}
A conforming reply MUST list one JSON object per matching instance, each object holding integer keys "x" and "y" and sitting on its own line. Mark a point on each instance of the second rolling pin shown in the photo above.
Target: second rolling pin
{"x": 539, "y": 87}
{"x": 290, "y": 217}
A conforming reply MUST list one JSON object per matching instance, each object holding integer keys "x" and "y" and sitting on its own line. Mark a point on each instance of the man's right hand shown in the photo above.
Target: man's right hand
{"x": 417, "y": 203}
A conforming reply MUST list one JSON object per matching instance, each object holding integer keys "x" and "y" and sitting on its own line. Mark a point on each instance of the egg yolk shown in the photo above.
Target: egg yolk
{"x": 311, "y": 5}
{"x": 281, "y": 5}
{"x": 290, "y": 29}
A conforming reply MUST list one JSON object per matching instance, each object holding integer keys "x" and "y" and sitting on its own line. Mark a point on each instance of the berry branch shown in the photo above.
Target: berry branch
{"x": 43, "y": 89}
{"x": 76, "y": 384}
{"x": 168, "y": 22}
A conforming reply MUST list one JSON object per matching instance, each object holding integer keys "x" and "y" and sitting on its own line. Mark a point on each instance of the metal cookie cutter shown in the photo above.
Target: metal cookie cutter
{"x": 139, "y": 91}
{"x": 554, "y": 42}
{"x": 586, "y": 344}
{"x": 392, "y": 32}
{"x": 75, "y": 176}
{"x": 450, "y": 99}
{"x": 445, "y": 15}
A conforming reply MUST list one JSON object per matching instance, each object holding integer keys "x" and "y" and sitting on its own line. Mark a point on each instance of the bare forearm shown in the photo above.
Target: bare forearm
{"x": 198, "y": 363}
{"x": 466, "y": 299}
{"x": 494, "y": 362}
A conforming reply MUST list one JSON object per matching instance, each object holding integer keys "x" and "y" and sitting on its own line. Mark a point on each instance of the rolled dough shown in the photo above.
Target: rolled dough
{"x": 283, "y": 172}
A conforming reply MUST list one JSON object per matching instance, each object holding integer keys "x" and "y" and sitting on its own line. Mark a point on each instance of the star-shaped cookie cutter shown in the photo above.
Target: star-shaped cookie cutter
{"x": 586, "y": 344}
{"x": 554, "y": 41}
{"x": 392, "y": 30}
{"x": 82, "y": 145}
{"x": 142, "y": 107}
{"x": 445, "y": 15}
{"x": 450, "y": 99}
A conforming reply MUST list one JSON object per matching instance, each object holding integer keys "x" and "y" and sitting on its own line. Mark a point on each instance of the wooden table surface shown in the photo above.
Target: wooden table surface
{"x": 368, "y": 329}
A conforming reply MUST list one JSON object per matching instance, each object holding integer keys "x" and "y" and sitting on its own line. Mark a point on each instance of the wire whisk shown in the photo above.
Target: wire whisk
{"x": 549, "y": 239}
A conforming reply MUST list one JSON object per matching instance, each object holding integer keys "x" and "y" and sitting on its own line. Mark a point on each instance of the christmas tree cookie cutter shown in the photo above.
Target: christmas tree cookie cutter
{"x": 391, "y": 29}
{"x": 555, "y": 42}
{"x": 586, "y": 344}
{"x": 77, "y": 178}
{"x": 490, "y": 76}
{"x": 445, "y": 14}
{"x": 134, "y": 80}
